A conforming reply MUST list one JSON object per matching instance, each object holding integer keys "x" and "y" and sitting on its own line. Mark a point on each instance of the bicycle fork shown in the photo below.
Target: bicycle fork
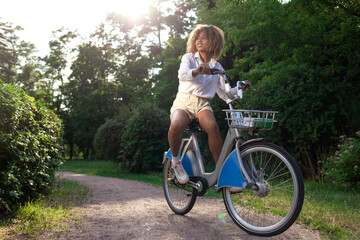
{"x": 251, "y": 183}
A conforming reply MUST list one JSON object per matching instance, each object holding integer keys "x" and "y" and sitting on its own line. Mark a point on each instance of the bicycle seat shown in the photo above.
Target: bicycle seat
{"x": 194, "y": 125}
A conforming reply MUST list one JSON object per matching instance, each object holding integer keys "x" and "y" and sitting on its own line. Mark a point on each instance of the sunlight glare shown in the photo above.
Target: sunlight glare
{"x": 131, "y": 8}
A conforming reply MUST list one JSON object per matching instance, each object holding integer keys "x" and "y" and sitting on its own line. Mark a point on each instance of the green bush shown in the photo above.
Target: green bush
{"x": 144, "y": 140}
{"x": 344, "y": 165}
{"x": 310, "y": 114}
{"x": 29, "y": 147}
{"x": 108, "y": 136}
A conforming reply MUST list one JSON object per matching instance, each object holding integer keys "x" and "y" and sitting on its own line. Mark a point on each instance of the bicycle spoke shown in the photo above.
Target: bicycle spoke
{"x": 277, "y": 176}
{"x": 283, "y": 188}
{"x": 275, "y": 170}
{"x": 179, "y": 197}
{"x": 263, "y": 169}
{"x": 270, "y": 208}
{"x": 290, "y": 179}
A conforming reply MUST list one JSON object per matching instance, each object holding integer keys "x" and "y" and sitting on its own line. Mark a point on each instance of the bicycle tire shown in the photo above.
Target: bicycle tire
{"x": 180, "y": 199}
{"x": 276, "y": 205}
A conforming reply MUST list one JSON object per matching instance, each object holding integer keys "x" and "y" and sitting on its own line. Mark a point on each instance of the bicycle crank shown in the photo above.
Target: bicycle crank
{"x": 198, "y": 183}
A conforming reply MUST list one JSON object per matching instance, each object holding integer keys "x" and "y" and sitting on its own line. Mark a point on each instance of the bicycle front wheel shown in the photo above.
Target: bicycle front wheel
{"x": 180, "y": 198}
{"x": 276, "y": 204}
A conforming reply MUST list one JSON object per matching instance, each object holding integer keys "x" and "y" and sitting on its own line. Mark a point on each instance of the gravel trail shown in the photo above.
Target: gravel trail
{"x": 124, "y": 209}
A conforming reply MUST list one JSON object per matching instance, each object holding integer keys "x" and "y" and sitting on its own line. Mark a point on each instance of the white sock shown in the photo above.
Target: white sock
{"x": 175, "y": 159}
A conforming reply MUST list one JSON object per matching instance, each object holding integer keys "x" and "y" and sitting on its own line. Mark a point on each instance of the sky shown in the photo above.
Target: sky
{"x": 40, "y": 18}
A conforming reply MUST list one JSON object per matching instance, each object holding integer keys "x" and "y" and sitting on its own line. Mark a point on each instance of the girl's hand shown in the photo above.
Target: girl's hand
{"x": 203, "y": 68}
{"x": 248, "y": 87}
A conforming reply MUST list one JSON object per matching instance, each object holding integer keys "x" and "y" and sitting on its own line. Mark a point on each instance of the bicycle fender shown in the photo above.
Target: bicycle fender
{"x": 230, "y": 174}
{"x": 185, "y": 162}
{"x": 252, "y": 140}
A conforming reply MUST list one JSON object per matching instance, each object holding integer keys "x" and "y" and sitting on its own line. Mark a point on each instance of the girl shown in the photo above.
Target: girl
{"x": 196, "y": 86}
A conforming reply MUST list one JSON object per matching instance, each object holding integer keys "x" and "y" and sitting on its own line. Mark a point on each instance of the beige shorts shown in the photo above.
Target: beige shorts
{"x": 191, "y": 104}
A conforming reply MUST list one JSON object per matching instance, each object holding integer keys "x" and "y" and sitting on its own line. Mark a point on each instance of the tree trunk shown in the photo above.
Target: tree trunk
{"x": 311, "y": 168}
{"x": 71, "y": 150}
{"x": 86, "y": 153}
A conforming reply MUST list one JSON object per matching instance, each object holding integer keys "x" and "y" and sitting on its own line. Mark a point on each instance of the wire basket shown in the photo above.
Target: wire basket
{"x": 255, "y": 119}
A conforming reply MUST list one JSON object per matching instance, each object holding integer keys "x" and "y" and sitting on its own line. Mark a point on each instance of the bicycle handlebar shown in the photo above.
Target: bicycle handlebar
{"x": 240, "y": 85}
{"x": 213, "y": 71}
{"x": 216, "y": 71}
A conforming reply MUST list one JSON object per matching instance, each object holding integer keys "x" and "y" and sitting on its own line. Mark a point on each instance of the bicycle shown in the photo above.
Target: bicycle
{"x": 271, "y": 183}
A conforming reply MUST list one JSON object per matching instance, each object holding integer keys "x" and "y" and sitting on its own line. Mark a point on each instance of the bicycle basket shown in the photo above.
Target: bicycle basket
{"x": 255, "y": 119}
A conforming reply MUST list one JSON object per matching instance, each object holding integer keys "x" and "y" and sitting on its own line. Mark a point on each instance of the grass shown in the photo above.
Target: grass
{"x": 52, "y": 214}
{"x": 107, "y": 169}
{"x": 332, "y": 209}
{"x": 329, "y": 208}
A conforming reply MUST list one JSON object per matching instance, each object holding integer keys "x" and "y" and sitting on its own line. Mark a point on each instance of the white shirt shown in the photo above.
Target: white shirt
{"x": 203, "y": 86}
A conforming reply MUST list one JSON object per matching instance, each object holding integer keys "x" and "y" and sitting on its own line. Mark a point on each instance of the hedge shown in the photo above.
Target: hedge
{"x": 144, "y": 140}
{"x": 29, "y": 148}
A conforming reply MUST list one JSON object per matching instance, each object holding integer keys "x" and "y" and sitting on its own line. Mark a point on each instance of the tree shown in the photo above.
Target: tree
{"x": 29, "y": 75}
{"x": 305, "y": 63}
{"x": 18, "y": 64}
{"x": 90, "y": 98}
{"x": 166, "y": 81}
{"x": 351, "y": 7}
{"x": 181, "y": 20}
{"x": 55, "y": 64}
{"x": 132, "y": 65}
{"x": 8, "y": 54}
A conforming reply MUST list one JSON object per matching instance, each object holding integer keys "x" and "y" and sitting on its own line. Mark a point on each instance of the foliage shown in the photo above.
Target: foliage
{"x": 55, "y": 64}
{"x": 89, "y": 97}
{"x": 166, "y": 81}
{"x": 89, "y": 114}
{"x": 307, "y": 114}
{"x": 344, "y": 165}
{"x": 166, "y": 88}
{"x": 302, "y": 56}
{"x": 29, "y": 147}
{"x": 108, "y": 136}
{"x": 8, "y": 57}
{"x": 303, "y": 59}
{"x": 145, "y": 139}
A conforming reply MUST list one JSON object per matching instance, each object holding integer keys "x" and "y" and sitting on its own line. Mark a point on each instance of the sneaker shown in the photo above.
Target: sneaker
{"x": 235, "y": 190}
{"x": 180, "y": 172}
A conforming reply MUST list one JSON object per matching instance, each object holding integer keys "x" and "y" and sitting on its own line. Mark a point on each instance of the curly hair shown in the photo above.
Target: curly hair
{"x": 215, "y": 36}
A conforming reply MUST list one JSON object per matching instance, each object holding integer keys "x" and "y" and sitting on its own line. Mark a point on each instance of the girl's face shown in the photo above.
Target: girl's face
{"x": 202, "y": 43}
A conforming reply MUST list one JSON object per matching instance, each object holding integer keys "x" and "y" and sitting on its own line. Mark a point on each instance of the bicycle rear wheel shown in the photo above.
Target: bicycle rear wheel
{"x": 275, "y": 206}
{"x": 180, "y": 198}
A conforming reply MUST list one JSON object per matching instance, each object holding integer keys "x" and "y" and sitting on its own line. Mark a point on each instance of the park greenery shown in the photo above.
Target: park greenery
{"x": 29, "y": 150}
{"x": 54, "y": 214}
{"x": 113, "y": 91}
{"x": 344, "y": 165}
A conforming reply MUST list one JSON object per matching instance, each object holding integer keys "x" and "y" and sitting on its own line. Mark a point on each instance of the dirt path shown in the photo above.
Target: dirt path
{"x": 123, "y": 209}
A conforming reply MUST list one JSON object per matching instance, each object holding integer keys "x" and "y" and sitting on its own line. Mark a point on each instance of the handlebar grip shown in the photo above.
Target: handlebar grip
{"x": 216, "y": 71}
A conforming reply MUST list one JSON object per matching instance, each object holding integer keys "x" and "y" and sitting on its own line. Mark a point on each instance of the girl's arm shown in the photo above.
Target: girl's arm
{"x": 187, "y": 66}
{"x": 220, "y": 90}
{"x": 190, "y": 68}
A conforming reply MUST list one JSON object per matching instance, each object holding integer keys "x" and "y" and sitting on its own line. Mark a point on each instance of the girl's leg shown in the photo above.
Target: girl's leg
{"x": 179, "y": 121}
{"x": 208, "y": 123}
